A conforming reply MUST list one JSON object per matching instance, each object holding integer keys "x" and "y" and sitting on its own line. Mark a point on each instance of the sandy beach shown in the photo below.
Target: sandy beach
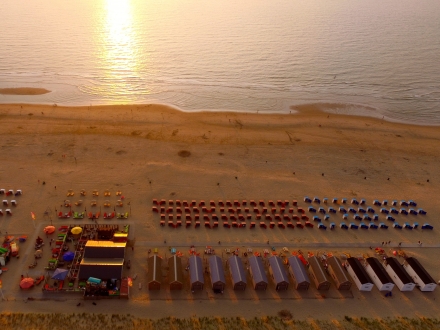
{"x": 155, "y": 151}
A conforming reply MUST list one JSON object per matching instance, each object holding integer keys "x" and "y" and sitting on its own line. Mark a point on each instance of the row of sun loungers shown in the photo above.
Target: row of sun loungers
{"x": 95, "y": 192}
{"x": 360, "y": 202}
{"x": 236, "y": 202}
{"x": 91, "y": 215}
{"x": 11, "y": 192}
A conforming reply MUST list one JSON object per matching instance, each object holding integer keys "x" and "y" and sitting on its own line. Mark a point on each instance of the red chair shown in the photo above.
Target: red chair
{"x": 154, "y": 208}
{"x": 261, "y": 202}
{"x": 188, "y": 224}
{"x": 236, "y": 202}
{"x": 274, "y": 210}
{"x": 290, "y": 225}
{"x": 170, "y": 202}
{"x": 281, "y": 225}
{"x": 234, "y": 224}
{"x": 215, "y": 224}
{"x": 202, "y": 203}
{"x": 294, "y": 202}
{"x": 178, "y": 203}
{"x": 271, "y": 224}
{"x": 197, "y": 224}
{"x": 263, "y": 225}
{"x": 271, "y": 203}
{"x": 162, "y": 223}
{"x": 299, "y": 224}
{"x": 252, "y": 203}
{"x": 155, "y": 202}
{"x": 211, "y": 202}
{"x": 252, "y": 225}
{"x": 220, "y": 203}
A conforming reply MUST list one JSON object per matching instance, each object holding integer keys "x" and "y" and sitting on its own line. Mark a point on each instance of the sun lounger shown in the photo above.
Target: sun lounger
{"x": 332, "y": 225}
{"x": 344, "y": 200}
{"x": 377, "y": 202}
{"x": 307, "y": 199}
{"x": 5, "y": 202}
{"x": 331, "y": 210}
{"x": 421, "y": 211}
{"x": 361, "y": 210}
{"x": 322, "y": 210}
{"x": 8, "y": 211}
{"x": 413, "y": 212}
{"x": 376, "y": 217}
{"x": 406, "y": 225}
{"x": 403, "y": 211}
{"x": 383, "y": 226}
{"x": 362, "y": 201}
{"x": 342, "y": 209}
{"x": 351, "y": 210}
{"x": 385, "y": 211}
{"x": 416, "y": 225}
{"x": 397, "y": 226}
{"x": 322, "y": 226}
{"x": 366, "y": 217}
{"x": 393, "y": 210}
{"x": 312, "y": 209}
{"x": 412, "y": 203}
{"x": 403, "y": 203}
{"x": 343, "y": 225}
{"x": 326, "y": 217}
{"x": 427, "y": 226}
{"x": 353, "y": 225}
{"x": 389, "y": 218}
{"x": 325, "y": 200}
{"x": 354, "y": 201}
{"x": 357, "y": 217}
{"x": 372, "y": 225}
{"x": 334, "y": 200}
{"x": 316, "y": 200}
{"x": 316, "y": 218}
{"x": 345, "y": 216}
{"x": 363, "y": 225}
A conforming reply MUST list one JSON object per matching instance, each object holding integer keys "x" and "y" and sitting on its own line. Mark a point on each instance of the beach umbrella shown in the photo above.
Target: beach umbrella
{"x": 27, "y": 283}
{"x": 60, "y": 274}
{"x": 68, "y": 256}
{"x": 76, "y": 230}
{"x": 49, "y": 229}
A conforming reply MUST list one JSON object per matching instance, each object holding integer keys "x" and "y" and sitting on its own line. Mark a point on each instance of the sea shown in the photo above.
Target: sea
{"x": 372, "y": 57}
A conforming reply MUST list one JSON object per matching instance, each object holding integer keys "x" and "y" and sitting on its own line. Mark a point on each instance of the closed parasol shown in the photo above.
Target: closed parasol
{"x": 38, "y": 254}
{"x": 27, "y": 283}
{"x": 49, "y": 229}
{"x": 76, "y": 230}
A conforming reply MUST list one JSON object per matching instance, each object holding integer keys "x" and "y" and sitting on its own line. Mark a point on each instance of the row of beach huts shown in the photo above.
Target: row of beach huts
{"x": 365, "y": 273}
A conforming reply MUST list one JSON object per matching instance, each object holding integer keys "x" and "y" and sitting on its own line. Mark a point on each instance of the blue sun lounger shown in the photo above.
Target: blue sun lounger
{"x": 322, "y": 210}
{"x": 334, "y": 200}
{"x": 307, "y": 199}
{"x": 363, "y": 225}
{"x": 343, "y": 225}
{"x": 383, "y": 226}
{"x": 403, "y": 211}
{"x": 345, "y": 216}
{"x": 344, "y": 200}
{"x": 427, "y": 226}
{"x": 366, "y": 217}
{"x": 372, "y": 225}
{"x": 383, "y": 210}
{"x": 361, "y": 210}
{"x": 413, "y": 212}
{"x": 370, "y": 210}
{"x": 331, "y": 210}
{"x": 394, "y": 203}
{"x": 376, "y": 217}
{"x": 412, "y": 203}
{"x": 363, "y": 201}
{"x": 322, "y": 226}
{"x": 416, "y": 225}
{"x": 403, "y": 203}
{"x": 393, "y": 210}
{"x": 316, "y": 218}
{"x": 316, "y": 200}
{"x": 422, "y": 211}
{"x": 325, "y": 200}
{"x": 312, "y": 209}
{"x": 353, "y": 225}
{"x": 406, "y": 225}
{"x": 326, "y": 217}
{"x": 357, "y": 217}
{"x": 390, "y": 218}
{"x": 376, "y": 202}
{"x": 332, "y": 225}
{"x": 354, "y": 201}
{"x": 352, "y": 210}
{"x": 385, "y": 202}
{"x": 397, "y": 226}
{"x": 342, "y": 209}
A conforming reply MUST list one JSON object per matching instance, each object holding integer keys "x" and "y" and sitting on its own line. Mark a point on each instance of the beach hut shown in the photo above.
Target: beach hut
{"x": 336, "y": 271}
{"x": 197, "y": 280}
{"x": 379, "y": 275}
{"x": 278, "y": 273}
{"x": 258, "y": 275}
{"x": 238, "y": 274}
{"x": 418, "y": 273}
{"x": 154, "y": 275}
{"x": 359, "y": 274}
{"x": 175, "y": 275}
{"x": 301, "y": 280}
{"x": 398, "y": 274}
{"x": 217, "y": 274}
{"x": 317, "y": 274}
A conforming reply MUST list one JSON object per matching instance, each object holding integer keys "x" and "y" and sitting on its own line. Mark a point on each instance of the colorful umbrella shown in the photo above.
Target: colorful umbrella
{"x": 49, "y": 229}
{"x": 68, "y": 256}
{"x": 60, "y": 274}
{"x": 76, "y": 230}
{"x": 27, "y": 283}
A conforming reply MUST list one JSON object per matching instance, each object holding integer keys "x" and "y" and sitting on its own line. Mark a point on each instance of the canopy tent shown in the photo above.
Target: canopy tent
{"x": 60, "y": 274}
{"x": 27, "y": 283}
{"x": 49, "y": 229}
{"x": 68, "y": 256}
{"x": 76, "y": 230}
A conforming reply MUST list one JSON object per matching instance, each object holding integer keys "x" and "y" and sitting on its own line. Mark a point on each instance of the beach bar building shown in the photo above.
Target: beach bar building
{"x": 196, "y": 273}
{"x": 359, "y": 274}
{"x": 175, "y": 275}
{"x": 379, "y": 275}
{"x": 317, "y": 274}
{"x": 104, "y": 249}
{"x": 102, "y": 268}
{"x": 301, "y": 280}
{"x": 278, "y": 273}
{"x": 154, "y": 275}
{"x": 258, "y": 275}
{"x": 398, "y": 274}
{"x": 217, "y": 273}
{"x": 238, "y": 274}
{"x": 419, "y": 274}
{"x": 336, "y": 271}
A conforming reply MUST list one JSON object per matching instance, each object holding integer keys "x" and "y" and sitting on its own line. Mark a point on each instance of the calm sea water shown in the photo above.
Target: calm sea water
{"x": 245, "y": 55}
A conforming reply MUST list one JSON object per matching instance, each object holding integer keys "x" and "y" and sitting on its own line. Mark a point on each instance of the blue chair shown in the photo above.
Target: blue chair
{"x": 307, "y": 200}
{"x": 376, "y": 202}
{"x": 357, "y": 217}
{"x": 413, "y": 212}
{"x": 406, "y": 225}
{"x": 394, "y": 203}
{"x": 372, "y": 225}
{"x": 397, "y": 226}
{"x": 321, "y": 226}
{"x": 352, "y": 210}
{"x": 312, "y": 209}
{"x": 366, "y": 217}
{"x": 383, "y": 210}
{"x": 343, "y": 225}
{"x": 344, "y": 200}
{"x": 383, "y": 226}
{"x": 331, "y": 210}
{"x": 316, "y": 200}
{"x": 376, "y": 217}
{"x": 326, "y": 217}
{"x": 334, "y": 200}
{"x": 422, "y": 211}
{"x": 403, "y": 203}
{"x": 385, "y": 202}
{"x": 361, "y": 210}
{"x": 416, "y": 225}
{"x": 393, "y": 210}
{"x": 363, "y": 225}
{"x": 390, "y": 218}
{"x": 316, "y": 218}
{"x": 342, "y": 209}
{"x": 403, "y": 211}
{"x": 353, "y": 225}
{"x": 370, "y": 210}
{"x": 325, "y": 200}
{"x": 345, "y": 216}
{"x": 363, "y": 201}
{"x": 332, "y": 225}
{"x": 354, "y": 201}
{"x": 427, "y": 226}
{"x": 321, "y": 210}
{"x": 412, "y": 203}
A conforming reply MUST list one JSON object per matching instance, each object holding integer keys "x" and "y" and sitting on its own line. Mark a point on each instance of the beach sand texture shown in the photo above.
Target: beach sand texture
{"x": 154, "y": 151}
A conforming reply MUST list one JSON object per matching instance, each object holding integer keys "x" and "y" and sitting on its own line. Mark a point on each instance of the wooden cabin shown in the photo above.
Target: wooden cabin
{"x": 317, "y": 274}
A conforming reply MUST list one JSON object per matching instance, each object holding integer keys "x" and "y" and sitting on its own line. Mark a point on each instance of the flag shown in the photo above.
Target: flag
{"x": 33, "y": 216}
